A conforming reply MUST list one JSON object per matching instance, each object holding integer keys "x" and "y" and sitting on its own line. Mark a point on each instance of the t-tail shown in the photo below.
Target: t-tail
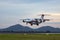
{"x": 42, "y": 17}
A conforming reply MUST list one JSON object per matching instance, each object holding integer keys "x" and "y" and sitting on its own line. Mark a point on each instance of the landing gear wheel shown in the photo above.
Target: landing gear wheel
{"x": 31, "y": 24}
{"x": 37, "y": 24}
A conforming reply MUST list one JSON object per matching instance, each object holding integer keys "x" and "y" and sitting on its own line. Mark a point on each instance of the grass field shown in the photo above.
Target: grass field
{"x": 29, "y": 36}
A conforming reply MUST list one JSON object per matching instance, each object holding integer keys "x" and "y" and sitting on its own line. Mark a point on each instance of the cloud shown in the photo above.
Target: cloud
{"x": 17, "y": 9}
{"x": 10, "y": 7}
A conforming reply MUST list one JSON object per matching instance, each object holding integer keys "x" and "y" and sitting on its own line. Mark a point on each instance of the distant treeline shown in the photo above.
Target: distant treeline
{"x": 27, "y": 32}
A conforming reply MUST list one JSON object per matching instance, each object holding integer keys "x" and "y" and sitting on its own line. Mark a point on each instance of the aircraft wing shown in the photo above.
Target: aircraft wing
{"x": 47, "y": 19}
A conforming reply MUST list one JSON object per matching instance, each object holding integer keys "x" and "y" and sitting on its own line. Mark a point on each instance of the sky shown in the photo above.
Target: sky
{"x": 13, "y": 10}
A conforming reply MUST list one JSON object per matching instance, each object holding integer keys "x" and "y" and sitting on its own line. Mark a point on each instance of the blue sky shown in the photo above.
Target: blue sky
{"x": 12, "y": 10}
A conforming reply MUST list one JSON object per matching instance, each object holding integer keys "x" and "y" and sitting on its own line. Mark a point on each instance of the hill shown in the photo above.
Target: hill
{"x": 24, "y": 29}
